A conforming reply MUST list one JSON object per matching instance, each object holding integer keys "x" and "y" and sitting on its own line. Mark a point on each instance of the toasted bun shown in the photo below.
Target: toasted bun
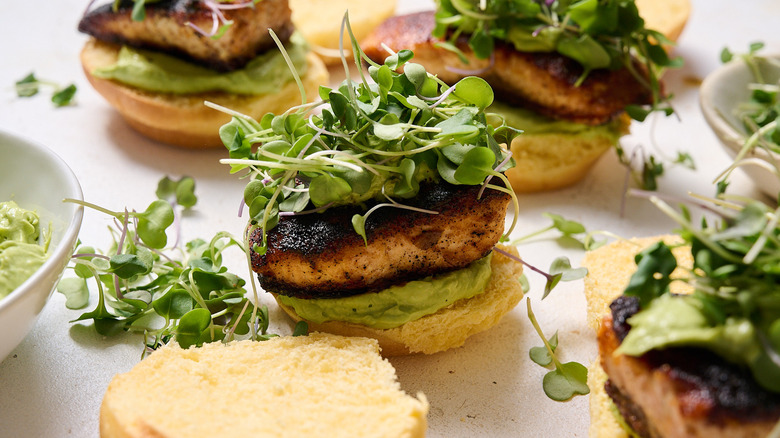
{"x": 666, "y": 16}
{"x": 609, "y": 271}
{"x": 184, "y": 120}
{"x": 307, "y": 386}
{"x": 450, "y": 326}
{"x": 554, "y": 160}
{"x": 320, "y": 22}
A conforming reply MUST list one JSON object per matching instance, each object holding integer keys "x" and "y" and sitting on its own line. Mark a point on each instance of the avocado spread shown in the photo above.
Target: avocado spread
{"x": 20, "y": 252}
{"x": 400, "y": 304}
{"x": 531, "y": 122}
{"x": 161, "y": 73}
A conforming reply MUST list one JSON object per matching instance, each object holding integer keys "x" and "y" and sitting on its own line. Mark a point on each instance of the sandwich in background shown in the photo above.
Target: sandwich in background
{"x": 158, "y": 63}
{"x": 567, "y": 92}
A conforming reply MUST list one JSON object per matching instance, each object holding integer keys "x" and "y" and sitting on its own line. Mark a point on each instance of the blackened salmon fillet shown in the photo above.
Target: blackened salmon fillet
{"x": 165, "y": 29}
{"x": 321, "y": 255}
{"x": 543, "y": 82}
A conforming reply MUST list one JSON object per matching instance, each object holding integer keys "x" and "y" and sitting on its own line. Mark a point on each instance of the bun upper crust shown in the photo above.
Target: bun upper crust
{"x": 450, "y": 326}
{"x": 184, "y": 120}
{"x": 318, "y": 385}
{"x": 554, "y": 160}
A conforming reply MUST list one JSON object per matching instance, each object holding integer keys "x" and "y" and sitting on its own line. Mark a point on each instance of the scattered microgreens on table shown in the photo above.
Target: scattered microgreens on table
{"x": 595, "y": 33}
{"x": 370, "y": 141}
{"x": 30, "y": 85}
{"x": 166, "y": 293}
{"x": 759, "y": 115}
{"x": 567, "y": 379}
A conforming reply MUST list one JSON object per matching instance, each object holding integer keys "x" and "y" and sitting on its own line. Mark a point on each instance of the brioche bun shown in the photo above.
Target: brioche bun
{"x": 609, "y": 270}
{"x": 318, "y": 385}
{"x": 665, "y": 16}
{"x": 320, "y": 22}
{"x": 184, "y": 120}
{"x": 450, "y": 326}
{"x": 554, "y": 160}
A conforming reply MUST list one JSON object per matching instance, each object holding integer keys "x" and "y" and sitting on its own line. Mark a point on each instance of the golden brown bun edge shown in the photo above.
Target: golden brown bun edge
{"x": 450, "y": 326}
{"x": 184, "y": 120}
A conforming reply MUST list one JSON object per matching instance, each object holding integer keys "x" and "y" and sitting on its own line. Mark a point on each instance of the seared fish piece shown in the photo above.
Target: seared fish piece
{"x": 321, "y": 255}
{"x": 164, "y": 29}
{"x": 682, "y": 392}
{"x": 543, "y": 82}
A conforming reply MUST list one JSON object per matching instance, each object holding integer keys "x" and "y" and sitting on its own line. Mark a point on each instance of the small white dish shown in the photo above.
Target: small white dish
{"x": 720, "y": 95}
{"x": 37, "y": 179}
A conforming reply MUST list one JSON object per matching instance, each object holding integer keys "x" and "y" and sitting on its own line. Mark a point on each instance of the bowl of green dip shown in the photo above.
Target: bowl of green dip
{"x": 38, "y": 232}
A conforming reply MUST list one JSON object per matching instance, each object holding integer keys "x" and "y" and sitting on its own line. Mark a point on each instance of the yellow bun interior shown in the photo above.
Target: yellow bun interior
{"x": 319, "y": 385}
{"x": 184, "y": 120}
{"x": 450, "y": 326}
{"x": 320, "y": 22}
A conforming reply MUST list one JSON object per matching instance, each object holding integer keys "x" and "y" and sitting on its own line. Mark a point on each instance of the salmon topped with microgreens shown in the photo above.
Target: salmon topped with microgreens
{"x": 545, "y": 82}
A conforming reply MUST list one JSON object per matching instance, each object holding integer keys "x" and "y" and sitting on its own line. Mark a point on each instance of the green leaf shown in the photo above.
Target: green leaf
{"x": 359, "y": 225}
{"x": 129, "y": 265}
{"x": 191, "y": 326}
{"x": 541, "y": 355}
{"x": 585, "y": 50}
{"x": 416, "y": 75}
{"x": 651, "y": 279}
{"x": 153, "y": 222}
{"x": 301, "y": 329}
{"x": 174, "y": 304}
{"x": 477, "y": 165}
{"x": 76, "y": 292}
{"x": 27, "y": 86}
{"x": 474, "y": 91}
{"x": 325, "y": 189}
{"x": 565, "y": 382}
{"x": 64, "y": 97}
{"x": 565, "y": 226}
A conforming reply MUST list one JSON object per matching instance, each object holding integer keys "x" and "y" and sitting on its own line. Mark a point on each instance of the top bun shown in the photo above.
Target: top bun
{"x": 305, "y": 386}
{"x": 665, "y": 16}
{"x": 320, "y": 22}
{"x": 184, "y": 120}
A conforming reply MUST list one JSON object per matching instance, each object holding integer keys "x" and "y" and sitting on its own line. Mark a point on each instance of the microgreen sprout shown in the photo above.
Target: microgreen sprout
{"x": 165, "y": 292}
{"x": 30, "y": 86}
{"x": 597, "y": 34}
{"x": 567, "y": 379}
{"x": 372, "y": 140}
{"x": 572, "y": 232}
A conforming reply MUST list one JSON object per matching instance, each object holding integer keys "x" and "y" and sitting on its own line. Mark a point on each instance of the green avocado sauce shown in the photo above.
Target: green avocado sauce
{"x": 531, "y": 122}
{"x": 397, "y": 305}
{"x": 20, "y": 253}
{"x": 158, "y": 72}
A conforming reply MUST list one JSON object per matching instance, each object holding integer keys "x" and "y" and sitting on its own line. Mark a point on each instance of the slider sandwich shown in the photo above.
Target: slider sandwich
{"x": 157, "y": 62}
{"x": 377, "y": 214}
{"x": 688, "y": 332}
{"x": 565, "y": 72}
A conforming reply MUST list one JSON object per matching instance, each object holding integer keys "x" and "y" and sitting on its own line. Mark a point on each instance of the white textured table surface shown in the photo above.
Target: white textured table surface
{"x": 52, "y": 384}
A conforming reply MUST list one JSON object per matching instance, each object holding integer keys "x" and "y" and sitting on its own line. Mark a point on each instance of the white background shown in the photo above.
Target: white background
{"x": 52, "y": 384}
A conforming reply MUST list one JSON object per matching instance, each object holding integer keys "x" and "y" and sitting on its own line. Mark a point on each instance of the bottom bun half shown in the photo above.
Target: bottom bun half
{"x": 184, "y": 120}
{"x": 447, "y": 328}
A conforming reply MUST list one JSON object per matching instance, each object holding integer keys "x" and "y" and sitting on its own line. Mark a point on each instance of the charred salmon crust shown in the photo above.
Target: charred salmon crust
{"x": 165, "y": 29}
{"x": 543, "y": 82}
{"x": 708, "y": 393}
{"x": 320, "y": 255}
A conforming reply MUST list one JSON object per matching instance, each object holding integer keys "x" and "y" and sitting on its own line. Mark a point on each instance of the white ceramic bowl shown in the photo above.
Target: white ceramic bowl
{"x": 720, "y": 94}
{"x": 37, "y": 179}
